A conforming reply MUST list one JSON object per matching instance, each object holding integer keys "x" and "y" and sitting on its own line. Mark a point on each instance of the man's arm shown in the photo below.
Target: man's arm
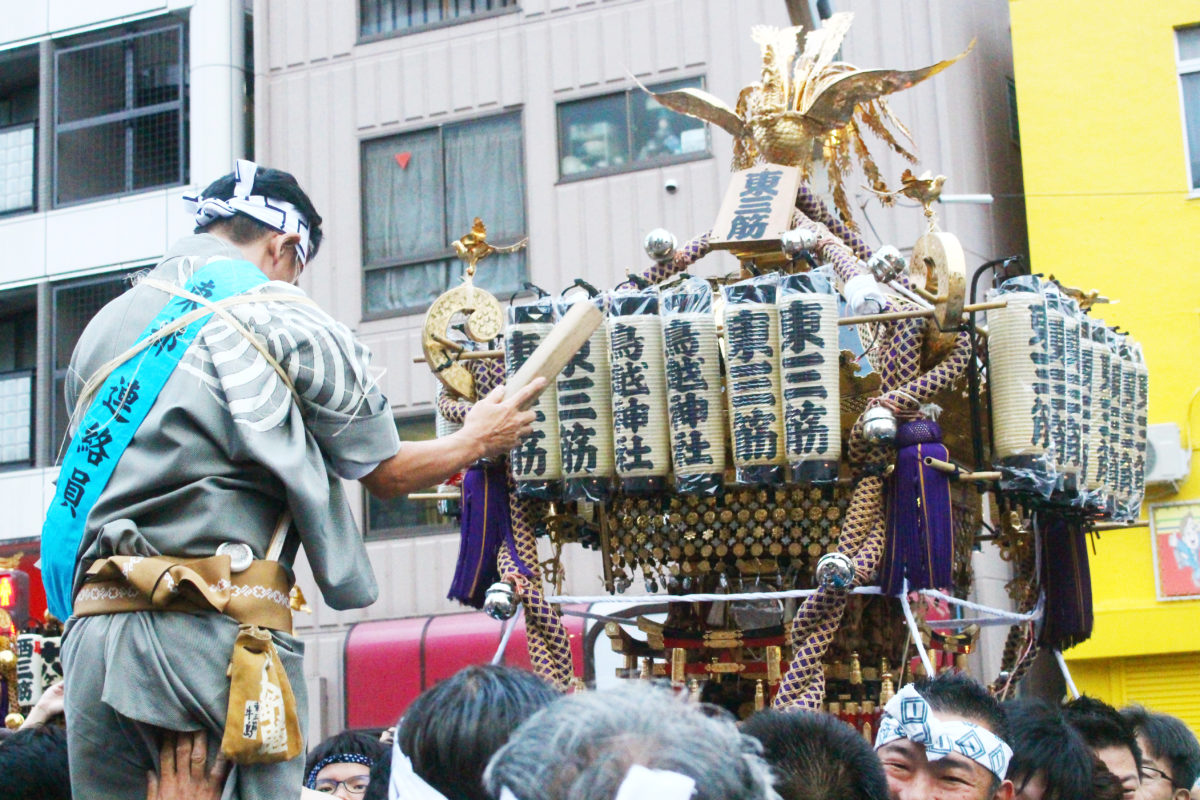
{"x": 493, "y": 426}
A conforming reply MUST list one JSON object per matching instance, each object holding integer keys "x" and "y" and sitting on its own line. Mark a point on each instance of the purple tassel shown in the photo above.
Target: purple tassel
{"x": 1067, "y": 581}
{"x": 920, "y": 528}
{"x": 485, "y": 525}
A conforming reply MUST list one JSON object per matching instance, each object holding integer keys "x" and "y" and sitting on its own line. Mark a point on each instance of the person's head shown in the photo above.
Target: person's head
{"x": 341, "y": 765}
{"x": 1170, "y": 754}
{"x": 265, "y": 214}
{"x": 33, "y": 764}
{"x": 1110, "y": 737}
{"x": 586, "y": 746}
{"x": 817, "y": 757}
{"x": 1051, "y": 761}
{"x": 1105, "y": 785}
{"x": 452, "y": 729}
{"x": 943, "y": 738}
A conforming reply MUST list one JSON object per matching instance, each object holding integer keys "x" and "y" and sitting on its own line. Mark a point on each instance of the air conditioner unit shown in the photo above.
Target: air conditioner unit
{"x": 1166, "y": 460}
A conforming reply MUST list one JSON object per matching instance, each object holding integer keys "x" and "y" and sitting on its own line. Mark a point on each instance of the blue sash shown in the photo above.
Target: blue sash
{"x": 120, "y": 407}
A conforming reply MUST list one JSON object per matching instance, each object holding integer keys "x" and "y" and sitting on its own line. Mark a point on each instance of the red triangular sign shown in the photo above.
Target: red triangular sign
{"x": 402, "y": 159}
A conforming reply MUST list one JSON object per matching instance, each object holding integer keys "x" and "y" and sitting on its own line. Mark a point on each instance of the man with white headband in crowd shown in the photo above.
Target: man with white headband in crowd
{"x": 169, "y": 550}
{"x": 943, "y": 739}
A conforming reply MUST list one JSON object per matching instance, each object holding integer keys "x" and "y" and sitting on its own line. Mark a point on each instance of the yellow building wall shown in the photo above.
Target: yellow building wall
{"x": 1108, "y": 207}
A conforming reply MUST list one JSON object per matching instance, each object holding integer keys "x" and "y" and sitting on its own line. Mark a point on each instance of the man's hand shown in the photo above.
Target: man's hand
{"x": 50, "y": 705}
{"x": 499, "y": 423}
{"x": 183, "y": 770}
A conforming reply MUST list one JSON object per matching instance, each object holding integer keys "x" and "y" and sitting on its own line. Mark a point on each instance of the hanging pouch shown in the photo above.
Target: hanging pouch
{"x": 261, "y": 726}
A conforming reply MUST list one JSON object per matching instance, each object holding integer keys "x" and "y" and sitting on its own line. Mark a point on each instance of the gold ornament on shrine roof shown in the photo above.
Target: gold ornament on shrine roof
{"x": 484, "y": 319}
{"x": 806, "y": 99}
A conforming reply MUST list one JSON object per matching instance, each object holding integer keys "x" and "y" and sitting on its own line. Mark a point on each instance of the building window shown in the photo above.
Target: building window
{"x": 18, "y": 130}
{"x": 401, "y": 516}
{"x": 72, "y": 307}
{"x": 386, "y": 17}
{"x": 119, "y": 122}
{"x": 421, "y": 191}
{"x": 18, "y": 362}
{"x": 1188, "y": 45}
{"x": 625, "y": 131}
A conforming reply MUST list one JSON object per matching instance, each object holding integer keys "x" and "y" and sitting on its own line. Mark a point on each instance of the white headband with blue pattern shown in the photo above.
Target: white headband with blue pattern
{"x": 909, "y": 716}
{"x": 272, "y": 212}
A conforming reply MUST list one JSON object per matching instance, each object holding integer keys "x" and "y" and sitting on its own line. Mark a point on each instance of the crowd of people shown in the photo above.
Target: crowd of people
{"x": 500, "y": 733}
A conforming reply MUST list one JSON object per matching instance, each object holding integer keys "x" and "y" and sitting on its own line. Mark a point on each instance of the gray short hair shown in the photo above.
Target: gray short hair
{"x": 581, "y": 747}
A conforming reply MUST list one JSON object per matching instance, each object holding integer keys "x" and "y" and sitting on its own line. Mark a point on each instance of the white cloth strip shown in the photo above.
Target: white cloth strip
{"x": 1066, "y": 673}
{"x": 909, "y": 716}
{"x": 404, "y": 783}
{"x": 272, "y": 212}
{"x": 982, "y": 609}
{"x": 915, "y": 632}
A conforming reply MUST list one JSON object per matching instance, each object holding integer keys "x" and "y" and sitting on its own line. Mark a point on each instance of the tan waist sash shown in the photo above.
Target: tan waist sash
{"x": 256, "y": 596}
{"x": 261, "y": 726}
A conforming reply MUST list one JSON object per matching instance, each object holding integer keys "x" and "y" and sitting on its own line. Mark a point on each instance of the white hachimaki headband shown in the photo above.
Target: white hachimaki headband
{"x": 909, "y": 716}
{"x": 270, "y": 211}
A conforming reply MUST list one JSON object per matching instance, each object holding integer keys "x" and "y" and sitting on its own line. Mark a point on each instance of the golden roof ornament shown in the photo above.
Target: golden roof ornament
{"x": 806, "y": 99}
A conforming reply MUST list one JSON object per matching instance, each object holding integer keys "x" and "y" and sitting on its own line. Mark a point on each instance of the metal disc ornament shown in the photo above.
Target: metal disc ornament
{"x": 835, "y": 571}
{"x": 660, "y": 244}
{"x": 500, "y": 601}
{"x": 795, "y": 242}
{"x": 879, "y": 425}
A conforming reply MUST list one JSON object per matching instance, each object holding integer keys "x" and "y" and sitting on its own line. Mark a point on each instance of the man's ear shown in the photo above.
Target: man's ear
{"x": 281, "y": 243}
{"x": 1005, "y": 792}
{"x": 1182, "y": 794}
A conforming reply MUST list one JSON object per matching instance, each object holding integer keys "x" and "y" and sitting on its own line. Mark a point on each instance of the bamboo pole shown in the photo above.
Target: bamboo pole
{"x": 919, "y": 312}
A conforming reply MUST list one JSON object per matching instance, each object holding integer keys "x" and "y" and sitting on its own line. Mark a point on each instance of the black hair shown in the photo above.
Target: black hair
{"x": 1102, "y": 726}
{"x": 817, "y": 757}
{"x": 452, "y": 730}
{"x": 958, "y": 693}
{"x": 33, "y": 764}
{"x": 1169, "y": 740}
{"x": 1105, "y": 785}
{"x": 381, "y": 775}
{"x": 1042, "y": 741}
{"x": 351, "y": 743}
{"x": 273, "y": 183}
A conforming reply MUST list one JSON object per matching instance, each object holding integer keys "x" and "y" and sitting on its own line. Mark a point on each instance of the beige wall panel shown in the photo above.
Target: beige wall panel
{"x": 513, "y": 89}
{"x": 414, "y": 103}
{"x": 389, "y": 90}
{"x": 562, "y": 54}
{"x": 485, "y": 78}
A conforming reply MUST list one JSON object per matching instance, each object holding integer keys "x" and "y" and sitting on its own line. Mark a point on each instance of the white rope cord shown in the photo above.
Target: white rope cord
{"x": 1066, "y": 673}
{"x": 509, "y": 625}
{"x": 915, "y": 631}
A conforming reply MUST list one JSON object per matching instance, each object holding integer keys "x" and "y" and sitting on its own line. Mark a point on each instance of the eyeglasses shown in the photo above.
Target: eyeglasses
{"x": 355, "y": 785}
{"x": 1150, "y": 773}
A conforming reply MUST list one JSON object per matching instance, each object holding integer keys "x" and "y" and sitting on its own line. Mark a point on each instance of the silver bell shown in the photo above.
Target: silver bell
{"x": 887, "y": 264}
{"x": 835, "y": 571}
{"x": 879, "y": 425}
{"x": 796, "y": 241}
{"x": 500, "y": 602}
{"x": 660, "y": 244}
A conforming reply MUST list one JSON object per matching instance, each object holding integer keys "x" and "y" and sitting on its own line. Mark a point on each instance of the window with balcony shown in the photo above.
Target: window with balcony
{"x": 402, "y": 516}
{"x": 18, "y": 130}
{"x": 421, "y": 191}
{"x": 119, "y": 115}
{"x": 378, "y": 18}
{"x": 626, "y": 131}
{"x": 1187, "y": 42}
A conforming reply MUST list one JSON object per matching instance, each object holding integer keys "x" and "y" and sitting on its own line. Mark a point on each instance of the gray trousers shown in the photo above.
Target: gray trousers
{"x": 130, "y": 677}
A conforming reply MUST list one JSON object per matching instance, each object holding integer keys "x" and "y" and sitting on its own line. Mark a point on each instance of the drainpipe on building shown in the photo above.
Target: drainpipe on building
{"x": 217, "y": 118}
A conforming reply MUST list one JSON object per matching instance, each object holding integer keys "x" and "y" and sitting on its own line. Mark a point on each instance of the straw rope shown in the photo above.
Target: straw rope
{"x": 691, "y": 252}
{"x": 549, "y": 645}
{"x": 905, "y": 388}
